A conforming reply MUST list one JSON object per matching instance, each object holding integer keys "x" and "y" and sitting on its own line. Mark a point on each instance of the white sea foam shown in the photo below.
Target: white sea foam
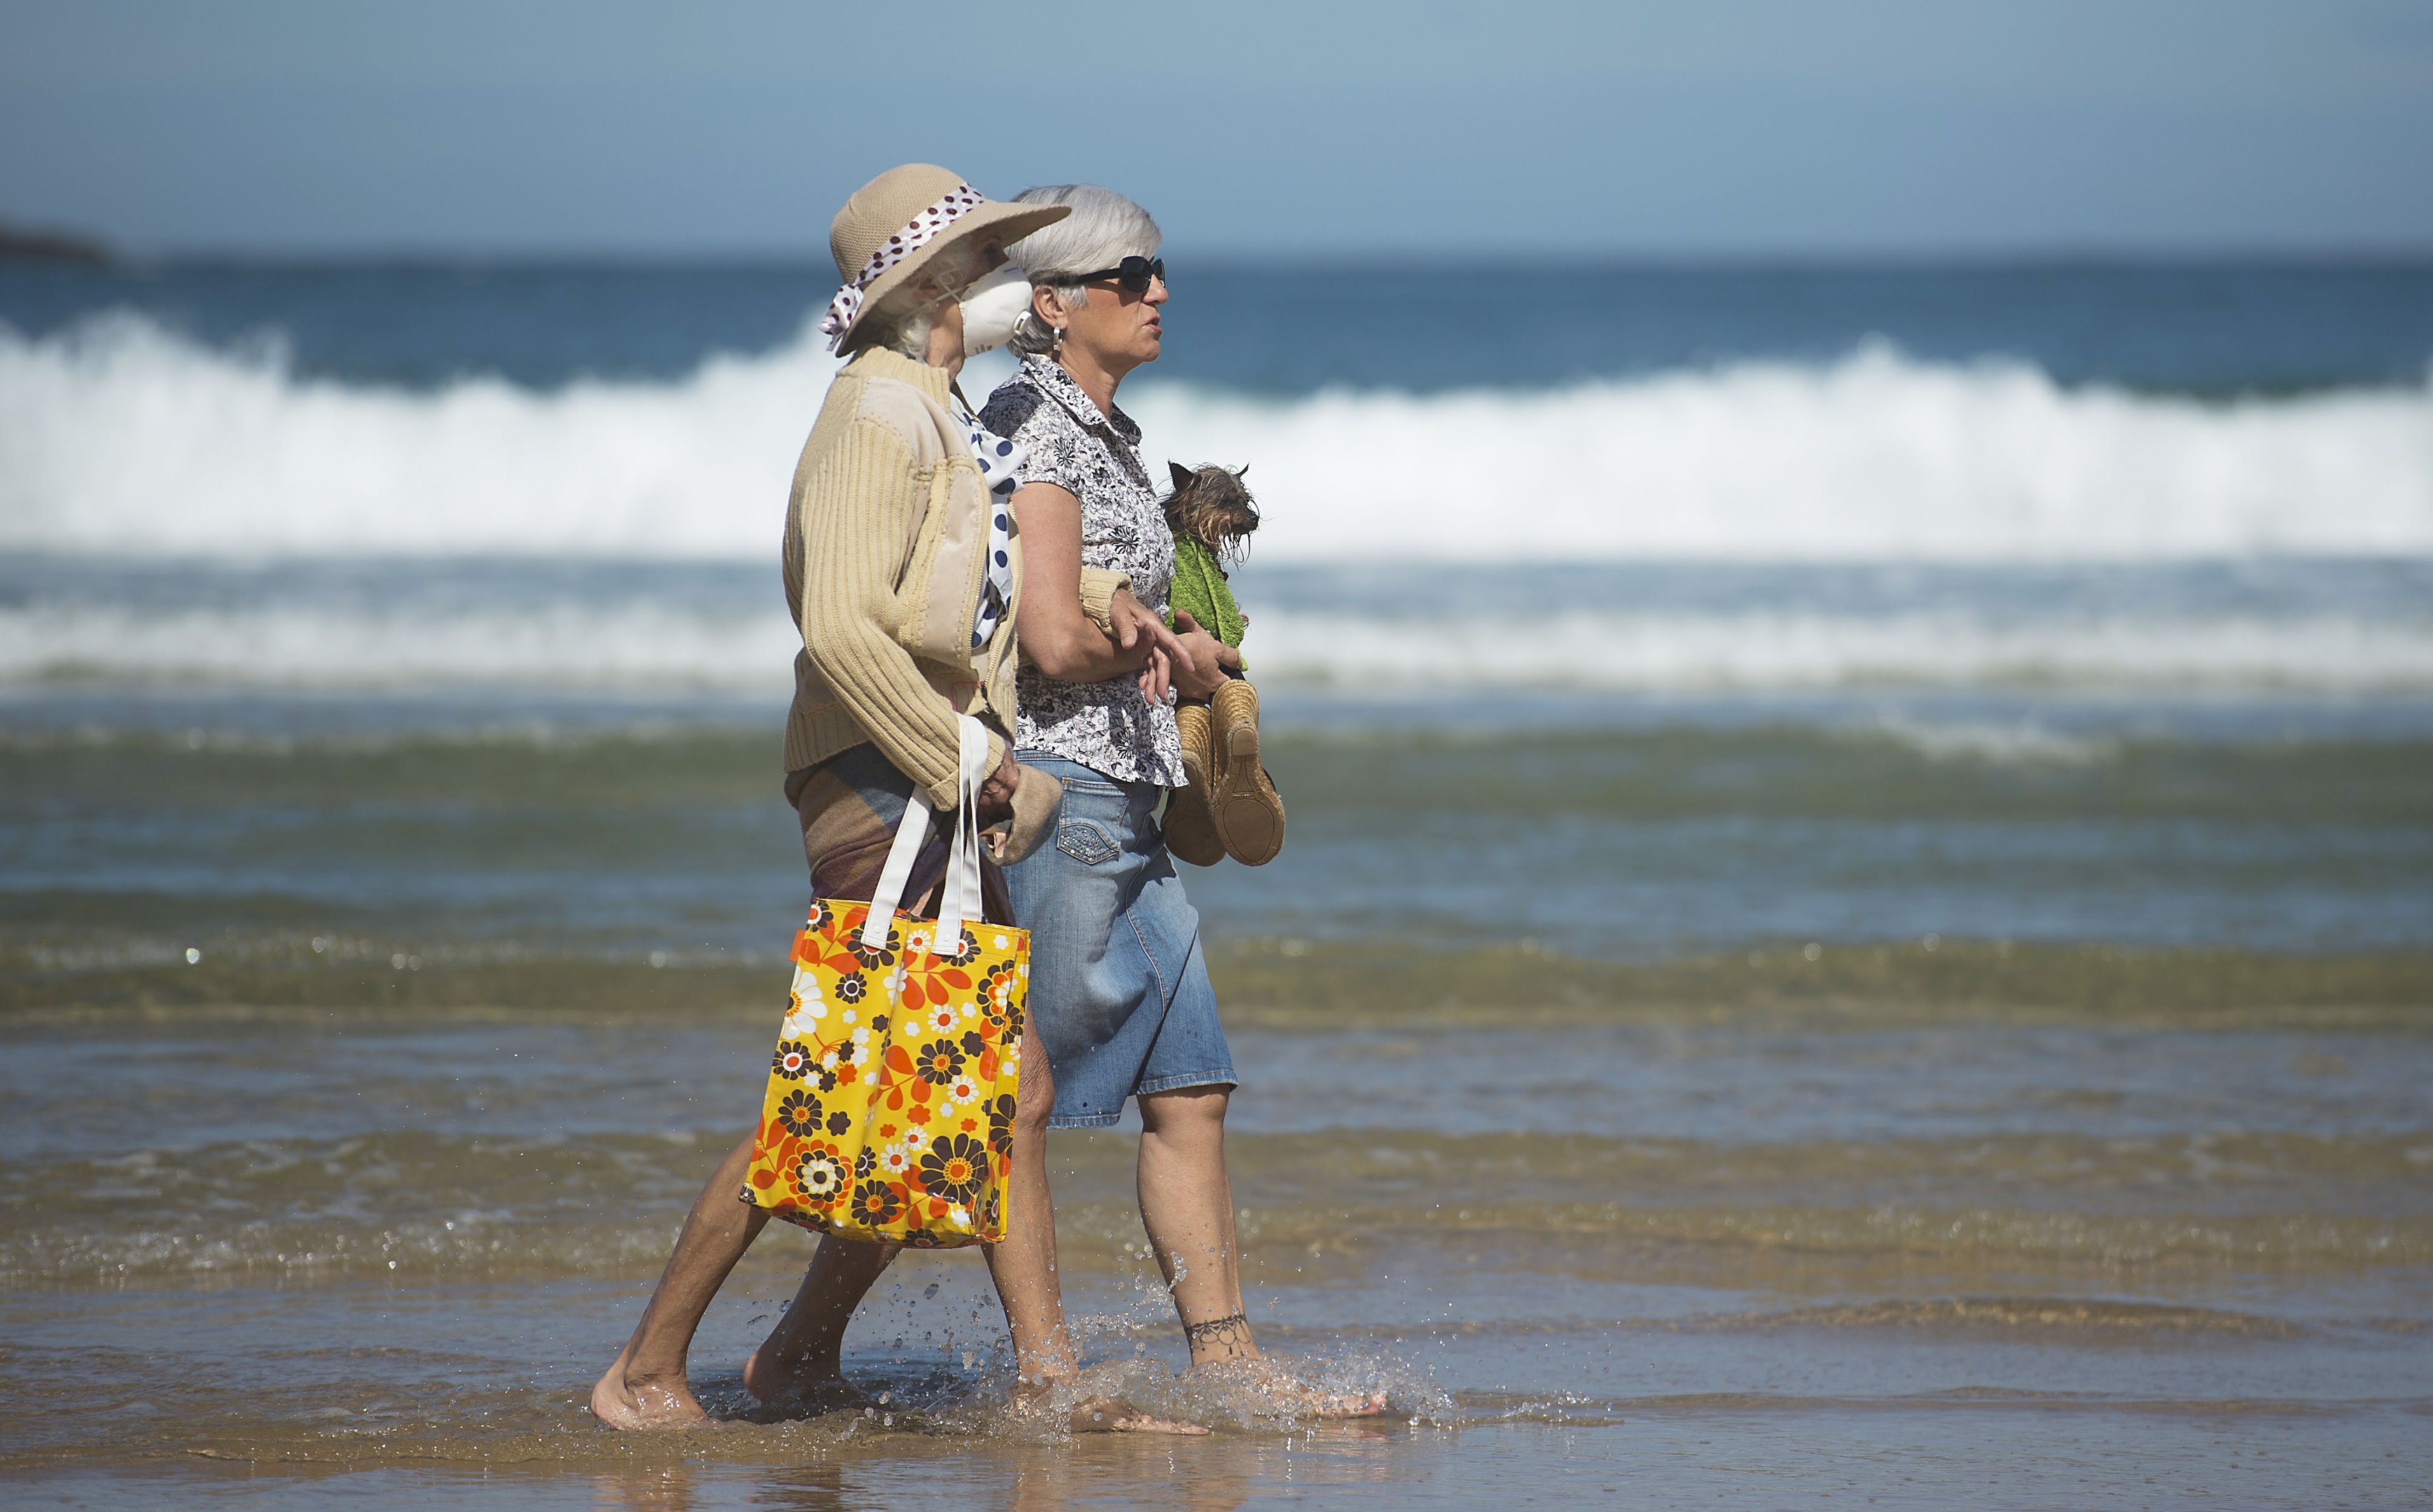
{"x": 669, "y": 646}
{"x": 121, "y": 439}
{"x": 1759, "y": 651}
{"x": 557, "y": 646}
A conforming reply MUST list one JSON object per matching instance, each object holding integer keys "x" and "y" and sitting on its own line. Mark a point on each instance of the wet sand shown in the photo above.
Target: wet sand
{"x": 1747, "y": 1261}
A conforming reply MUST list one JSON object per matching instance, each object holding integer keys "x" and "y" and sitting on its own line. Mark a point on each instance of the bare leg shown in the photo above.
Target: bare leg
{"x": 1186, "y": 1204}
{"x": 802, "y": 1357}
{"x": 1024, "y": 1268}
{"x": 1023, "y": 1264}
{"x": 801, "y": 1362}
{"x": 646, "y": 1388}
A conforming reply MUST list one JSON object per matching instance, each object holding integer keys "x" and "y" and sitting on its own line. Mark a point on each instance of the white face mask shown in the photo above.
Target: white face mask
{"x": 992, "y": 306}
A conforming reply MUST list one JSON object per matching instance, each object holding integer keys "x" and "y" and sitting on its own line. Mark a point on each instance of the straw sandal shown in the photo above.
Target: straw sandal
{"x": 1190, "y": 829}
{"x": 1250, "y": 818}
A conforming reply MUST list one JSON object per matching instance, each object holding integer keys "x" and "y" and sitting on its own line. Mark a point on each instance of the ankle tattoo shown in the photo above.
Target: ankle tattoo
{"x": 1232, "y": 1329}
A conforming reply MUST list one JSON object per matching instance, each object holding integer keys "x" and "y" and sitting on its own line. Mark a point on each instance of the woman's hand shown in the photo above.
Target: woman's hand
{"x": 1205, "y": 671}
{"x": 1138, "y": 627}
{"x": 995, "y": 798}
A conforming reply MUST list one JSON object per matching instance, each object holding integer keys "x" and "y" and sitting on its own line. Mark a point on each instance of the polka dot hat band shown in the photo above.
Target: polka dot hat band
{"x": 917, "y": 233}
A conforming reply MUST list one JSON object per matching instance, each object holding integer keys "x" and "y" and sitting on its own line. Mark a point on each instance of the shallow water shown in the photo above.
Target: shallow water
{"x": 1598, "y": 841}
{"x": 1886, "y": 955}
{"x": 1683, "y": 1261}
{"x": 1668, "y": 1105}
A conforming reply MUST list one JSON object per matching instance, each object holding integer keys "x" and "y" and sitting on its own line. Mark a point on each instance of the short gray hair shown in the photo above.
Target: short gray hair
{"x": 1103, "y": 229}
{"x": 905, "y": 332}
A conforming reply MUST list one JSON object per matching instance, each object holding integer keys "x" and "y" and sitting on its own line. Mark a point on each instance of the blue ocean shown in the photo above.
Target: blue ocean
{"x": 1856, "y": 917}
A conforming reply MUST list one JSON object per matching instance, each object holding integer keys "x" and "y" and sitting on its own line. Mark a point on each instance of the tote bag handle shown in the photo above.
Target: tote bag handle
{"x": 961, "y": 898}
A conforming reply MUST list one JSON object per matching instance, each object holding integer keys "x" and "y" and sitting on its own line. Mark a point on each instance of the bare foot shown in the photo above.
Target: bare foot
{"x": 1267, "y": 1376}
{"x": 1105, "y": 1415}
{"x": 1095, "y": 1415}
{"x": 795, "y": 1384}
{"x": 624, "y": 1401}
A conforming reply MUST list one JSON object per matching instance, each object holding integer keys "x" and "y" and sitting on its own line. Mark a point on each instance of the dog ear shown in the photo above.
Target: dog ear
{"x": 1183, "y": 475}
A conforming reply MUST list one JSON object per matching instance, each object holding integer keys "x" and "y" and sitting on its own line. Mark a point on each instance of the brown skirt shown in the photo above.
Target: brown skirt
{"x": 849, "y": 807}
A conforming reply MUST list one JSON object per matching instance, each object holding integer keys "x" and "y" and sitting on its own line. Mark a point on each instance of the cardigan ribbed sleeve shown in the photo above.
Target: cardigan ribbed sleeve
{"x": 1099, "y": 588}
{"x": 856, "y": 513}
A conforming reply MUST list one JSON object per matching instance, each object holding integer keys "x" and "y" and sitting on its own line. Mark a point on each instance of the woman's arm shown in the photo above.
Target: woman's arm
{"x": 1057, "y": 637}
{"x": 854, "y": 518}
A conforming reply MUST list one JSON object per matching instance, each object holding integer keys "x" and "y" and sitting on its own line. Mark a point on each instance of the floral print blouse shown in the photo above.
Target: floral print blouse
{"x": 1110, "y": 727}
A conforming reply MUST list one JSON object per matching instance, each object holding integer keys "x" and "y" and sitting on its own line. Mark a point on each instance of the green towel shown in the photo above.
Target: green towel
{"x": 1199, "y": 591}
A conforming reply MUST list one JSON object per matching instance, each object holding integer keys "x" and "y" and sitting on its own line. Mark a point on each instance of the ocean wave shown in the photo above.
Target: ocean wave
{"x": 377, "y": 647}
{"x": 1760, "y": 651}
{"x": 747, "y": 647}
{"x": 123, "y": 440}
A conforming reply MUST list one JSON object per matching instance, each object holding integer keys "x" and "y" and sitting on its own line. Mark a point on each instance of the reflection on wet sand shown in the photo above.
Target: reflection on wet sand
{"x": 1034, "y": 1477}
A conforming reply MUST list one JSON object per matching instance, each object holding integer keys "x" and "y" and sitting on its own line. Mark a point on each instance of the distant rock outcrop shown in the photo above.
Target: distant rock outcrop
{"x": 24, "y": 244}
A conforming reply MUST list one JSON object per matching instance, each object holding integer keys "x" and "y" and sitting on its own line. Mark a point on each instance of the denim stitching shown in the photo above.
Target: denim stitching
{"x": 1201, "y": 1078}
{"x": 1100, "y": 848}
{"x": 1156, "y": 968}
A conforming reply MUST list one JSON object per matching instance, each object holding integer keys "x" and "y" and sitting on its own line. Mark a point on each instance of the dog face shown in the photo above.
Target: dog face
{"x": 1212, "y": 506}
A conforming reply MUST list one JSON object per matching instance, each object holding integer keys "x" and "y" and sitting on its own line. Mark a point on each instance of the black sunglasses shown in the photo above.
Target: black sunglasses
{"x": 1133, "y": 274}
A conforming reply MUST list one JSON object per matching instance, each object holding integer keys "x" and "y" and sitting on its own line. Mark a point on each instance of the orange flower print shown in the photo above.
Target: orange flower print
{"x": 1001, "y": 1117}
{"x": 889, "y": 1107}
{"x": 877, "y": 1203}
{"x": 1000, "y": 998}
{"x": 801, "y": 1114}
{"x": 953, "y": 1168}
{"x": 940, "y": 1062}
{"x": 818, "y": 1176}
{"x": 967, "y": 945}
{"x": 875, "y": 956}
{"x": 823, "y": 950}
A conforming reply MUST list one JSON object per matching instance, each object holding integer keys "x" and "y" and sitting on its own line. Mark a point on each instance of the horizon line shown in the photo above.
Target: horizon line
{"x": 2025, "y": 256}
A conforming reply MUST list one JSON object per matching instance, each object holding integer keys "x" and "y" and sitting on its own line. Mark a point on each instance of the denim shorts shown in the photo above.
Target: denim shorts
{"x": 1119, "y": 992}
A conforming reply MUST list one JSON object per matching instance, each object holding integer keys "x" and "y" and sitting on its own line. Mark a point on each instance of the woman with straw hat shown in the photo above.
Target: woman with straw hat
{"x": 891, "y": 655}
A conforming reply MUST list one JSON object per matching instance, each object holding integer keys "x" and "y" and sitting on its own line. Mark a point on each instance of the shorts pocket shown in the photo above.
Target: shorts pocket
{"x": 1087, "y": 842}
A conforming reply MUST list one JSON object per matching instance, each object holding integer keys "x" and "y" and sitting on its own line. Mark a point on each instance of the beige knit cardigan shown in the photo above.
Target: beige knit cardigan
{"x": 885, "y": 557}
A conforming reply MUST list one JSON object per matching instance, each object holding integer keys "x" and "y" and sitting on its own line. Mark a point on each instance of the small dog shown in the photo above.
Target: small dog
{"x": 1212, "y": 506}
{"x": 1230, "y": 806}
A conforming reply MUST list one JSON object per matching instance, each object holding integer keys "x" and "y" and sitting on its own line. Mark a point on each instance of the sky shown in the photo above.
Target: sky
{"x": 1256, "y": 127}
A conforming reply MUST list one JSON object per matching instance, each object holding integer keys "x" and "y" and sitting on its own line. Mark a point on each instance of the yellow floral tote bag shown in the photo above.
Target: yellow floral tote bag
{"x": 889, "y": 1114}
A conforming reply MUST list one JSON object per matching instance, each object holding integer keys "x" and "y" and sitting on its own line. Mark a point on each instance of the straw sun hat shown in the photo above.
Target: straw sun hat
{"x": 899, "y": 222}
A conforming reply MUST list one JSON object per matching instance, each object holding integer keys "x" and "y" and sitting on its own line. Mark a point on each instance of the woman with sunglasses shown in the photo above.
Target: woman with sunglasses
{"x": 1119, "y": 992}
